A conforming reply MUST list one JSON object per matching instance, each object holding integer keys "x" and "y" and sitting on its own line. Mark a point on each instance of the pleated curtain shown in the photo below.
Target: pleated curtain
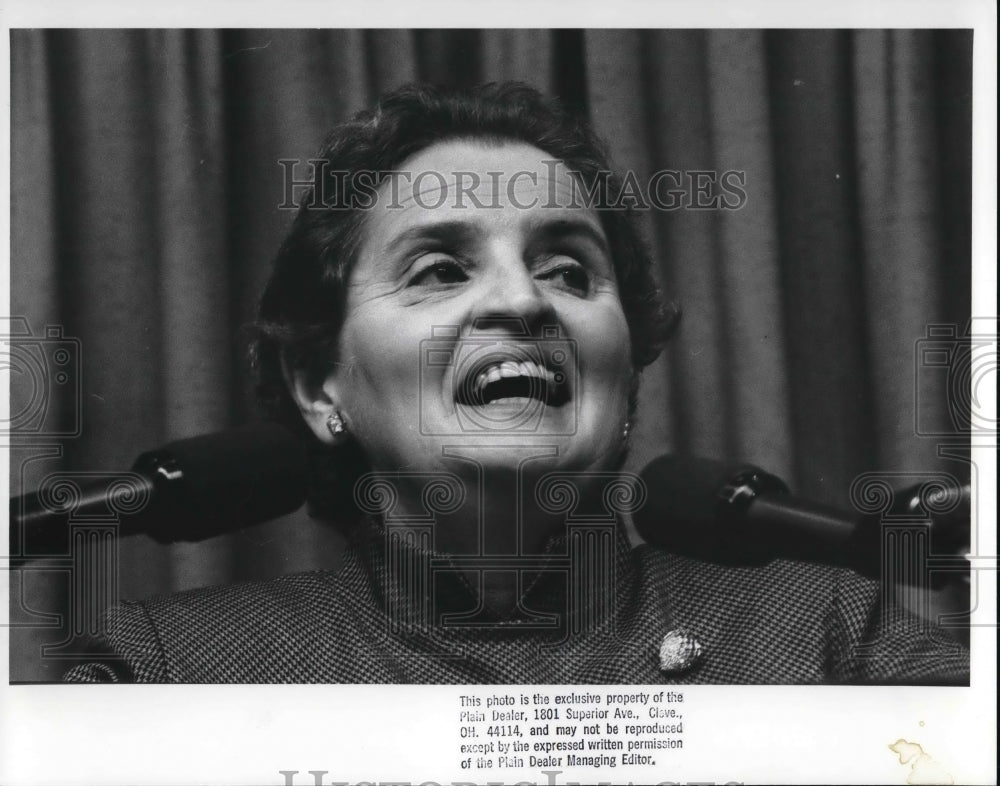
{"x": 145, "y": 213}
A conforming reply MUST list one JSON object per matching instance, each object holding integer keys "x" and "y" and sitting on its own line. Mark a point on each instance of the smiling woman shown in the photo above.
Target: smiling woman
{"x": 545, "y": 271}
{"x": 470, "y": 298}
{"x": 461, "y": 347}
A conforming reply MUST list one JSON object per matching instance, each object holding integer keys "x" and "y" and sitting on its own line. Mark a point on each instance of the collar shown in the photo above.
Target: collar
{"x": 580, "y": 580}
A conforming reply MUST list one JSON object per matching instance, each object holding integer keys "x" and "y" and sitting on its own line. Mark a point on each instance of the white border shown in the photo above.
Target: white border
{"x": 512, "y": 13}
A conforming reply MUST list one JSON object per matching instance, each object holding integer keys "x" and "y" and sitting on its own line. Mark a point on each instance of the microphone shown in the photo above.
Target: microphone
{"x": 742, "y": 515}
{"x": 190, "y": 489}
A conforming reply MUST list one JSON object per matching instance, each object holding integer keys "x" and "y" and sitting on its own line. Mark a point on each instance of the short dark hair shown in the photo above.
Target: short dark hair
{"x": 303, "y": 306}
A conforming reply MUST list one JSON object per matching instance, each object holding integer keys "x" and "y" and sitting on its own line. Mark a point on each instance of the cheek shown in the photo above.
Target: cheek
{"x": 605, "y": 349}
{"x": 379, "y": 358}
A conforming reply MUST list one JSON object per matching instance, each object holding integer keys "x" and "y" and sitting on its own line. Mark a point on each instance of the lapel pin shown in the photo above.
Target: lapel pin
{"x": 679, "y": 651}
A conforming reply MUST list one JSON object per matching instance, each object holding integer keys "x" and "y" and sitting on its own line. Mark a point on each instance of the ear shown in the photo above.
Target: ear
{"x": 316, "y": 399}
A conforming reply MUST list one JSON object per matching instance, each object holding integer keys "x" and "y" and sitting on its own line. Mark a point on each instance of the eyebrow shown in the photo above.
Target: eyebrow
{"x": 464, "y": 232}
{"x": 569, "y": 227}
{"x": 443, "y": 232}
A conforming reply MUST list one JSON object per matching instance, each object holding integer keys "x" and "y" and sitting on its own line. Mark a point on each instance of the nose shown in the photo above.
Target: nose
{"x": 511, "y": 293}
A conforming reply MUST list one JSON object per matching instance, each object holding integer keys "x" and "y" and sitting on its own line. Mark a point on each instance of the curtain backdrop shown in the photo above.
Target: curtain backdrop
{"x": 145, "y": 193}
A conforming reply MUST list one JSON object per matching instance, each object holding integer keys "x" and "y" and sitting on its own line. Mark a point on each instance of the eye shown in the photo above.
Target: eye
{"x": 438, "y": 270}
{"x": 567, "y": 274}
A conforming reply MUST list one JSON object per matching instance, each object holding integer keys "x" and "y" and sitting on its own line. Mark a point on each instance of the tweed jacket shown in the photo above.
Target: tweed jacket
{"x": 778, "y": 623}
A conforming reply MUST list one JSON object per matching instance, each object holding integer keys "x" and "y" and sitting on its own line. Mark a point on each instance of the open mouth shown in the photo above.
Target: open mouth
{"x": 511, "y": 381}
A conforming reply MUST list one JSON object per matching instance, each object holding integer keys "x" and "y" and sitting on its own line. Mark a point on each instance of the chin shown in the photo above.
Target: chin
{"x": 506, "y": 434}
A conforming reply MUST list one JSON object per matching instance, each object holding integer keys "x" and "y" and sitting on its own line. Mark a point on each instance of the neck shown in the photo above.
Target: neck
{"x": 503, "y": 517}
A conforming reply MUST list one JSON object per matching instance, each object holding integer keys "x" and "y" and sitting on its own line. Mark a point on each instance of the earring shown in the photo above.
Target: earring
{"x": 335, "y": 423}
{"x": 625, "y": 430}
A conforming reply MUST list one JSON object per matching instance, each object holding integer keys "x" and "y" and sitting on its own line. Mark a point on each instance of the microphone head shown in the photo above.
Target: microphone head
{"x": 695, "y": 506}
{"x": 218, "y": 482}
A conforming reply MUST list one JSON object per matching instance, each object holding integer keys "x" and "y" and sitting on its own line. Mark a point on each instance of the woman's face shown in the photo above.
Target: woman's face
{"x": 482, "y": 316}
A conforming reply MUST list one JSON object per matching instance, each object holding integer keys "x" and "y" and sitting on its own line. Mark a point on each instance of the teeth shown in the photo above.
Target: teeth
{"x": 509, "y": 369}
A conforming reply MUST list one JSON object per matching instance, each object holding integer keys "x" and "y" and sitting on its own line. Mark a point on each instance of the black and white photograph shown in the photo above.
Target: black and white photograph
{"x": 569, "y": 370}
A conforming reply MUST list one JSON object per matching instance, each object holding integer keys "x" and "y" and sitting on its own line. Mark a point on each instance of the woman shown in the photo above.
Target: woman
{"x": 457, "y": 321}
